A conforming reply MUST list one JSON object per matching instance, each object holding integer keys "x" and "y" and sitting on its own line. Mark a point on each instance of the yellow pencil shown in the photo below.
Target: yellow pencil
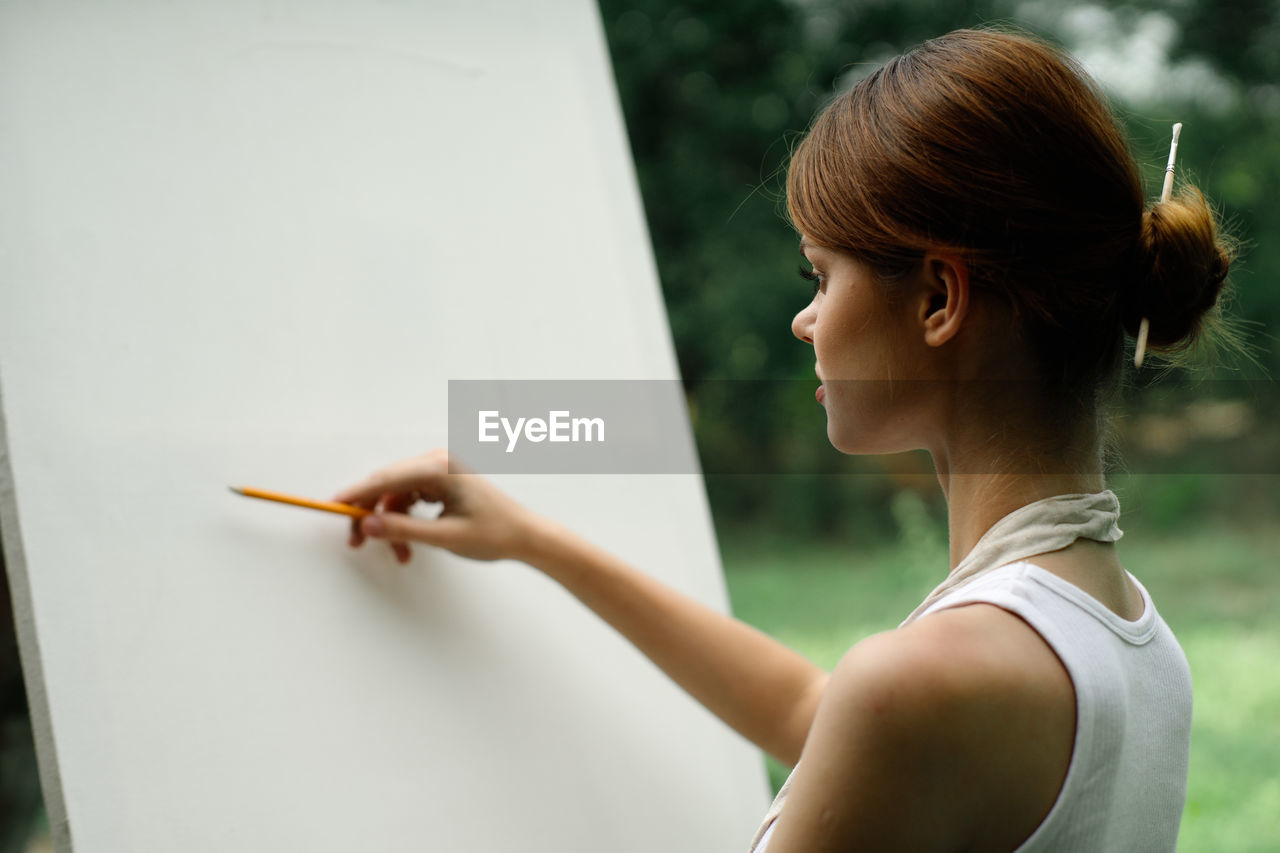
{"x": 327, "y": 506}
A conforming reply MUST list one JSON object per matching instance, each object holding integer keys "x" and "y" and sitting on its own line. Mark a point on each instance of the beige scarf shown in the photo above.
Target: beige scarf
{"x": 1045, "y": 525}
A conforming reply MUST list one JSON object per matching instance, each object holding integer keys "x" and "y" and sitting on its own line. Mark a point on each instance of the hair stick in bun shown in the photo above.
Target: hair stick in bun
{"x": 1145, "y": 326}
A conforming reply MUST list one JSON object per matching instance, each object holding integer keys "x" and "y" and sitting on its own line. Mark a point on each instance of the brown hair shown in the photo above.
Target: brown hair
{"x": 999, "y": 147}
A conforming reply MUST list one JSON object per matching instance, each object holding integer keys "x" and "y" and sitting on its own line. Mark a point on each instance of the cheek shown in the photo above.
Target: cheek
{"x": 841, "y": 347}
{"x": 827, "y": 338}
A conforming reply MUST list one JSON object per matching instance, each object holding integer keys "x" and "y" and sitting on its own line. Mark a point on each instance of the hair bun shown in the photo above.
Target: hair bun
{"x": 1181, "y": 271}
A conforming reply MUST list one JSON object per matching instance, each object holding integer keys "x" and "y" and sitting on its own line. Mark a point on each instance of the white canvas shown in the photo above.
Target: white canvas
{"x": 248, "y": 243}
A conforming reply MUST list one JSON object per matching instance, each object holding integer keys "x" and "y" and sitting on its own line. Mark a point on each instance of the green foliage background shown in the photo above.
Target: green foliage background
{"x": 717, "y": 94}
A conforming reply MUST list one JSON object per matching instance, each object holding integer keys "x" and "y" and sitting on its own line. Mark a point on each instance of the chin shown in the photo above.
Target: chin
{"x": 846, "y": 440}
{"x": 854, "y": 440}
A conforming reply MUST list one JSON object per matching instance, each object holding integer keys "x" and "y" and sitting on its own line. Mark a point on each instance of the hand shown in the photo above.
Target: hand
{"x": 478, "y": 521}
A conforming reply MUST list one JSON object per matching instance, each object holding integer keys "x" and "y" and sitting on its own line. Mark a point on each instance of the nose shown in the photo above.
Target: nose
{"x": 802, "y": 324}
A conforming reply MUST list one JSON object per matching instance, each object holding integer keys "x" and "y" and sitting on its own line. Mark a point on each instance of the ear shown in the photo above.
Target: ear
{"x": 946, "y": 297}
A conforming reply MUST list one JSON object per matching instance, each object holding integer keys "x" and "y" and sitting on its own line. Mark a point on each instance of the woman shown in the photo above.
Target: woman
{"x": 977, "y": 235}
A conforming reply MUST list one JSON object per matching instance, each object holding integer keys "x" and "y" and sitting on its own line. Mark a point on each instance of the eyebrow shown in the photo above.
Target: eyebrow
{"x": 805, "y": 244}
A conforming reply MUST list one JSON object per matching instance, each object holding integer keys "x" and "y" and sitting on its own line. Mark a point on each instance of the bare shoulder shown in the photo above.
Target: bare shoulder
{"x": 953, "y": 733}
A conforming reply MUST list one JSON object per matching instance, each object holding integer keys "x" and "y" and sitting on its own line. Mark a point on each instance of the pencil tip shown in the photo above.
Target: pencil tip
{"x": 234, "y": 489}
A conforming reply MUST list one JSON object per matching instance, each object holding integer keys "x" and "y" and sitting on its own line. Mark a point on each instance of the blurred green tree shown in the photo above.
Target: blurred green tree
{"x": 715, "y": 97}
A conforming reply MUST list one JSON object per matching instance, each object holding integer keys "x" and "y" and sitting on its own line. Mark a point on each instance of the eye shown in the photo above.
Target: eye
{"x": 813, "y": 276}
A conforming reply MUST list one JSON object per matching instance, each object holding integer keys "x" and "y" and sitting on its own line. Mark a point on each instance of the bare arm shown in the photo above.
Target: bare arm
{"x": 764, "y": 690}
{"x": 761, "y": 688}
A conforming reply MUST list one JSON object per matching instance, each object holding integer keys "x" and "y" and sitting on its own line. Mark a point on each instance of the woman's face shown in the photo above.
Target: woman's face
{"x": 865, "y": 347}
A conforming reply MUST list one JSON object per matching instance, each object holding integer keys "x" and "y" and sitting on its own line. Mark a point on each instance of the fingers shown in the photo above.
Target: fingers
{"x": 422, "y": 474}
{"x": 355, "y": 538}
{"x": 398, "y": 502}
{"x": 417, "y": 478}
{"x": 390, "y": 503}
{"x": 400, "y": 529}
{"x": 391, "y": 491}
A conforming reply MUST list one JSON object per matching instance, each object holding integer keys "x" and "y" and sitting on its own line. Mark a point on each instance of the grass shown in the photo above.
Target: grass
{"x": 1217, "y": 587}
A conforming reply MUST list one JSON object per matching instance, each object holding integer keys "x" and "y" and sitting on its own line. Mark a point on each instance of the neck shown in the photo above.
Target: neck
{"x": 976, "y": 502}
{"x": 984, "y": 478}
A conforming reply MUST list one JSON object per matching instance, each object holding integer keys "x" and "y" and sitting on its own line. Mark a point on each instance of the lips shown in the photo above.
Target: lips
{"x": 821, "y": 394}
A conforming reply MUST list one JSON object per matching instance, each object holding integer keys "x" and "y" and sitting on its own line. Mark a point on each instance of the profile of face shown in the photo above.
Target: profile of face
{"x": 882, "y": 361}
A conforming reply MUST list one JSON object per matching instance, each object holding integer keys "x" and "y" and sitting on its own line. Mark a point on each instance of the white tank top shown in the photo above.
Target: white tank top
{"x": 1126, "y": 783}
